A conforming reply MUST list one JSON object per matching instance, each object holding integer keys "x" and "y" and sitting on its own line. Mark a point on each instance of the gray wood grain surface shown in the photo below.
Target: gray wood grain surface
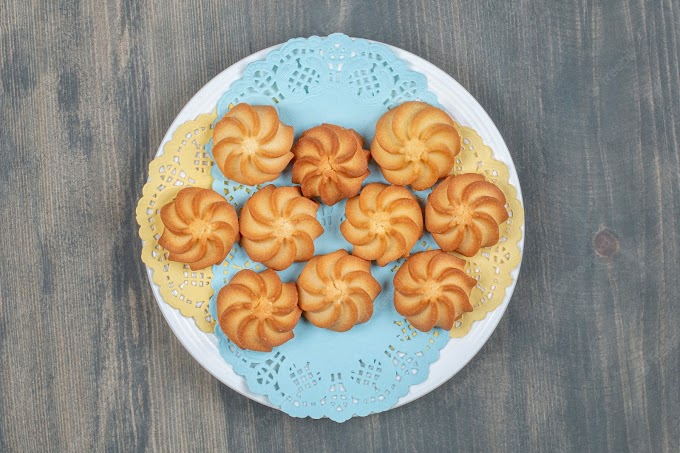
{"x": 587, "y": 97}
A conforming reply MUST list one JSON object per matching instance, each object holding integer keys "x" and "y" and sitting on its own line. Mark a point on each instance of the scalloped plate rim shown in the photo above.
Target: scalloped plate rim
{"x": 449, "y": 362}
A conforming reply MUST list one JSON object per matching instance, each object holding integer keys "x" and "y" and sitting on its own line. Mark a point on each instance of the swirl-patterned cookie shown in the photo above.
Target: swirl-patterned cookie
{"x": 337, "y": 290}
{"x": 200, "y": 228}
{"x": 278, "y": 226}
{"x": 383, "y": 223}
{"x": 431, "y": 289}
{"x": 251, "y": 145}
{"x": 330, "y": 163}
{"x": 258, "y": 311}
{"x": 464, "y": 213}
{"x": 415, "y": 144}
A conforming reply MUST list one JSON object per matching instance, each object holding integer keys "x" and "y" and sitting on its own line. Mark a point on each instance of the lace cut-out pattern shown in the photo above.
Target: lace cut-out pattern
{"x": 184, "y": 163}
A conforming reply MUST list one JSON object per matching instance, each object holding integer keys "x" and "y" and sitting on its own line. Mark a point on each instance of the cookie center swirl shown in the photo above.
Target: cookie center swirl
{"x": 262, "y": 307}
{"x": 431, "y": 290}
{"x": 336, "y": 291}
{"x": 414, "y": 149}
{"x": 379, "y": 223}
{"x": 462, "y": 214}
{"x": 200, "y": 228}
{"x": 283, "y": 228}
{"x": 250, "y": 146}
{"x": 326, "y": 166}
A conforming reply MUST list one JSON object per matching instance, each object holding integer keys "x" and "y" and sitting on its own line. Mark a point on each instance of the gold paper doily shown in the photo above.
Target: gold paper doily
{"x": 491, "y": 267}
{"x": 186, "y": 164}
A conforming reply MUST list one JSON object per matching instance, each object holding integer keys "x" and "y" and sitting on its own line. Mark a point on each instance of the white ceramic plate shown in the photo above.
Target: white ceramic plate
{"x": 458, "y": 351}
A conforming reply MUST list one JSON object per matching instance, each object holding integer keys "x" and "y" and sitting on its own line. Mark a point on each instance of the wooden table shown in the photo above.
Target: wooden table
{"x": 587, "y": 96}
